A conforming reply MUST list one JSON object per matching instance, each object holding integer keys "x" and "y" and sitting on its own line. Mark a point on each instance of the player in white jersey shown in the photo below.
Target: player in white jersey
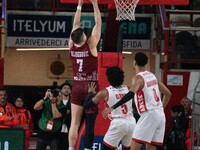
{"x": 122, "y": 121}
{"x": 148, "y": 97}
{"x": 146, "y": 89}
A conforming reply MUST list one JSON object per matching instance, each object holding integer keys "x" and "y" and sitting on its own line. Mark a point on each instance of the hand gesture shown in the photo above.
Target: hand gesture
{"x": 92, "y": 87}
{"x": 47, "y": 94}
{"x": 106, "y": 111}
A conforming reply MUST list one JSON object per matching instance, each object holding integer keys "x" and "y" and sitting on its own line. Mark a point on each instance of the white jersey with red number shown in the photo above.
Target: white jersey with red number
{"x": 148, "y": 97}
{"x": 115, "y": 95}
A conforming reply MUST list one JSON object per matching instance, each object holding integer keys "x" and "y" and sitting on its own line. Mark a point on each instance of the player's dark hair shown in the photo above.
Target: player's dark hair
{"x": 115, "y": 76}
{"x": 77, "y": 35}
{"x": 141, "y": 59}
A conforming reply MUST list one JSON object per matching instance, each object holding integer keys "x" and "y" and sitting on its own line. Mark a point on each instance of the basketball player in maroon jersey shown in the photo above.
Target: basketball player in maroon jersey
{"x": 83, "y": 54}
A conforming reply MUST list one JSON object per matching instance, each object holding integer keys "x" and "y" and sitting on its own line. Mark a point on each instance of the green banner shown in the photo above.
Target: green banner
{"x": 12, "y": 139}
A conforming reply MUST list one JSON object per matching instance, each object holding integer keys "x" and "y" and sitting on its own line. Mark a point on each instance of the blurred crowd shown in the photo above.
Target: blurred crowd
{"x": 53, "y": 124}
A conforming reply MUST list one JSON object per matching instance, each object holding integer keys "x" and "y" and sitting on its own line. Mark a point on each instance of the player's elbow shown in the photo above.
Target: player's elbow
{"x": 98, "y": 24}
{"x": 168, "y": 95}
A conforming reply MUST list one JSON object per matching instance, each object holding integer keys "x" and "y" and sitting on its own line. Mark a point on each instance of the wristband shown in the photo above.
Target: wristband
{"x": 79, "y": 7}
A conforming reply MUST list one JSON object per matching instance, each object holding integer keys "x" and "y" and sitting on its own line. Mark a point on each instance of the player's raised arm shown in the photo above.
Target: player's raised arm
{"x": 96, "y": 31}
{"x": 77, "y": 18}
{"x": 92, "y": 97}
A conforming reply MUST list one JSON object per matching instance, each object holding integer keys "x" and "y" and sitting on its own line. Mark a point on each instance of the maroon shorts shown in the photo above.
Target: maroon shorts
{"x": 79, "y": 94}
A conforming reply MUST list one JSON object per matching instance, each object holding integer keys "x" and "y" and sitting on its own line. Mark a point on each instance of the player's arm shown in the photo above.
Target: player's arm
{"x": 166, "y": 93}
{"x": 137, "y": 83}
{"x": 93, "y": 100}
{"x": 77, "y": 18}
{"x": 96, "y": 31}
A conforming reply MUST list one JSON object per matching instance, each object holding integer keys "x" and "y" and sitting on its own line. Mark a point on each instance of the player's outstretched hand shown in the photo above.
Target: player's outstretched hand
{"x": 106, "y": 111}
{"x": 92, "y": 87}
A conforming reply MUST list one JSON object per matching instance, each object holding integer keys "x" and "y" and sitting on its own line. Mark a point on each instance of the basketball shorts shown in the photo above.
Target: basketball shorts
{"x": 120, "y": 129}
{"x": 150, "y": 128}
{"x": 79, "y": 94}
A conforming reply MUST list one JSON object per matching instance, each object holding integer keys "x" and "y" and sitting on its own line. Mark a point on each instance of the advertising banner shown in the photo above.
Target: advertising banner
{"x": 11, "y": 139}
{"x": 36, "y": 30}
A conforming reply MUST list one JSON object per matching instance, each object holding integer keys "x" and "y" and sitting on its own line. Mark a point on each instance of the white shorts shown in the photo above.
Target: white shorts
{"x": 120, "y": 130}
{"x": 150, "y": 128}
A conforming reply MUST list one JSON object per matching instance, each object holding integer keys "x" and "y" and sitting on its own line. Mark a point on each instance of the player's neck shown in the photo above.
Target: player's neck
{"x": 79, "y": 44}
{"x": 139, "y": 69}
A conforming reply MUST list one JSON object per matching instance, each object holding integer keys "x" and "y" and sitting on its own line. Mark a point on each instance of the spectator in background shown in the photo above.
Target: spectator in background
{"x": 49, "y": 123}
{"x": 65, "y": 109}
{"x": 178, "y": 128}
{"x": 8, "y": 117}
{"x": 25, "y": 119}
{"x": 186, "y": 102}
